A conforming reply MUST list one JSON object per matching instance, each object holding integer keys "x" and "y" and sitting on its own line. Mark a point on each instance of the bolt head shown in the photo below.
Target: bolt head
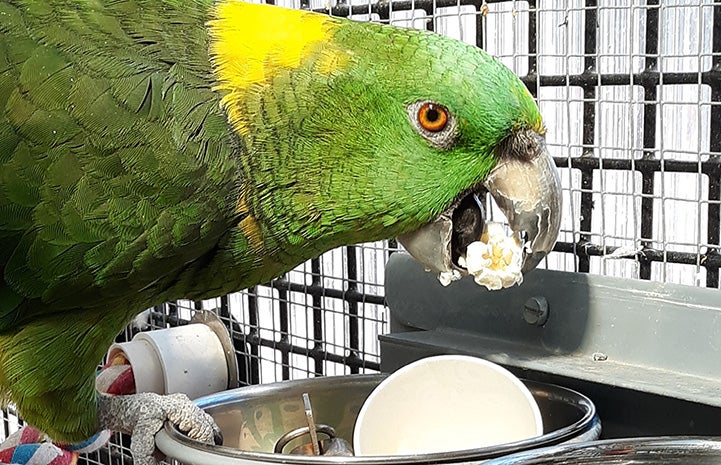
{"x": 535, "y": 311}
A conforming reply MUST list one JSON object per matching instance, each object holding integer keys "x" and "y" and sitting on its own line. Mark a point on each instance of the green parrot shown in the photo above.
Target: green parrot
{"x": 152, "y": 150}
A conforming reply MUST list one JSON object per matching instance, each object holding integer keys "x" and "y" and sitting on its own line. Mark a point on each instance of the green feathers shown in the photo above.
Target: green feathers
{"x": 116, "y": 155}
{"x": 116, "y": 176}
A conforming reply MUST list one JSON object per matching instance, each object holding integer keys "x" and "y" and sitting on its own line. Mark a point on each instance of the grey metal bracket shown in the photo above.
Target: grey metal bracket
{"x": 655, "y": 338}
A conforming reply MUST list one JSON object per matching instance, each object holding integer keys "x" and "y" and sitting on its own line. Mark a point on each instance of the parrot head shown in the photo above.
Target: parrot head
{"x": 354, "y": 132}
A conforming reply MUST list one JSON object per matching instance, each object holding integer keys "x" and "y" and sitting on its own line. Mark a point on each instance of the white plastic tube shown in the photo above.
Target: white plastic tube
{"x": 188, "y": 359}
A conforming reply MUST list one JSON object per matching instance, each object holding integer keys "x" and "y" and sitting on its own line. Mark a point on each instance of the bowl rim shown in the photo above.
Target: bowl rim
{"x": 586, "y": 422}
{"x": 616, "y": 447}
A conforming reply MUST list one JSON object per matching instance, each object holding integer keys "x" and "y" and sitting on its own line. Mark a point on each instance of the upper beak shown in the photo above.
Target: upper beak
{"x": 527, "y": 188}
{"x": 525, "y": 185}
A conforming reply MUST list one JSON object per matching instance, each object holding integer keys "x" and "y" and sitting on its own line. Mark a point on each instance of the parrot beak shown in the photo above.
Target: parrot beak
{"x": 525, "y": 185}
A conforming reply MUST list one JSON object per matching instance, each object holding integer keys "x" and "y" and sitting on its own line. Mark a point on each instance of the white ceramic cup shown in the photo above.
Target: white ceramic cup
{"x": 446, "y": 403}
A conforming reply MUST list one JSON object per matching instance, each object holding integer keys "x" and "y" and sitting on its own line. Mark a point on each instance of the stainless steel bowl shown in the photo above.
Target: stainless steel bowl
{"x": 254, "y": 418}
{"x": 634, "y": 451}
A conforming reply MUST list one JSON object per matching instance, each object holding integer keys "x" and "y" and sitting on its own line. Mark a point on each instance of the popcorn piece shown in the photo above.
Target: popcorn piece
{"x": 495, "y": 261}
{"x": 447, "y": 277}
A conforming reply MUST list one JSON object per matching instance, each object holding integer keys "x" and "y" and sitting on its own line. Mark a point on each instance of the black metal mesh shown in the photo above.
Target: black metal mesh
{"x": 648, "y": 163}
{"x": 632, "y": 112}
{"x": 313, "y": 321}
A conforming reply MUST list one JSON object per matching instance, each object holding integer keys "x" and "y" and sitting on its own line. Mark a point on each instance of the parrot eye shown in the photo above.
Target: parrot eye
{"x": 432, "y": 117}
{"x": 434, "y": 122}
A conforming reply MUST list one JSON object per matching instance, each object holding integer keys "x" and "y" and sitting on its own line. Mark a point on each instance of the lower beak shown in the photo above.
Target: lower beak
{"x": 525, "y": 185}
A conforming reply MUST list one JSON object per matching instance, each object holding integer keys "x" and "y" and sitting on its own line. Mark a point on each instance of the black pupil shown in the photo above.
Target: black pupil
{"x": 432, "y": 115}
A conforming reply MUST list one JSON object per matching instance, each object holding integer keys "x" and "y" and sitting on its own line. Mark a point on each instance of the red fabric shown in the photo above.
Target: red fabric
{"x": 124, "y": 383}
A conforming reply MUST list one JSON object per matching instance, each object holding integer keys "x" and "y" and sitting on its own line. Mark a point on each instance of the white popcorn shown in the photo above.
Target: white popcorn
{"x": 495, "y": 261}
{"x": 447, "y": 277}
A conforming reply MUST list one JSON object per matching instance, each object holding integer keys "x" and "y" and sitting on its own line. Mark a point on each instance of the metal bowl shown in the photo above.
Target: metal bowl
{"x": 254, "y": 418}
{"x": 635, "y": 451}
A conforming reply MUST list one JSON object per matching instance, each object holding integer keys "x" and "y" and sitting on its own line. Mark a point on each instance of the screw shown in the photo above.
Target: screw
{"x": 535, "y": 311}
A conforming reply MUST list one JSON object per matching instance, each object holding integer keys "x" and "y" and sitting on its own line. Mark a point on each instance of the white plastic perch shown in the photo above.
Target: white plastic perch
{"x": 196, "y": 359}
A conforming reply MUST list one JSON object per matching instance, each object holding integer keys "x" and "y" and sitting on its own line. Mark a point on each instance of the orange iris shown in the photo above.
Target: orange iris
{"x": 432, "y": 117}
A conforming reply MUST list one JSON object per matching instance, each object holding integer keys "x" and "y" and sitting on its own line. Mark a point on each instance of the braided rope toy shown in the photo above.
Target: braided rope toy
{"x": 28, "y": 446}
